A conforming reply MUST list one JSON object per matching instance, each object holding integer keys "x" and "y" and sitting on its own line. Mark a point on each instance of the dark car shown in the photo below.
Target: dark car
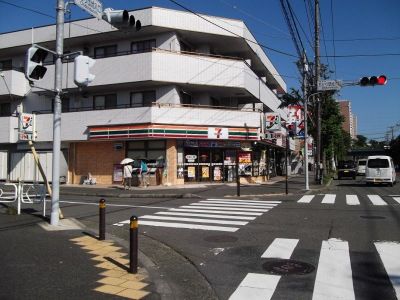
{"x": 347, "y": 169}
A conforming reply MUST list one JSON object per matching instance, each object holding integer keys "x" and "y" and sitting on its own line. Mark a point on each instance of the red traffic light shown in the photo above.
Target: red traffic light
{"x": 382, "y": 80}
{"x": 373, "y": 80}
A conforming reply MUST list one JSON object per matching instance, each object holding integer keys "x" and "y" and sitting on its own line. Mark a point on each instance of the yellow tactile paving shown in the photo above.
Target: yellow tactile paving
{"x": 117, "y": 281}
{"x": 111, "y": 281}
{"x": 133, "y": 294}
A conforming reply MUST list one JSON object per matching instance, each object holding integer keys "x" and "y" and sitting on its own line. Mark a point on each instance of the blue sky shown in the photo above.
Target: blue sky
{"x": 360, "y": 27}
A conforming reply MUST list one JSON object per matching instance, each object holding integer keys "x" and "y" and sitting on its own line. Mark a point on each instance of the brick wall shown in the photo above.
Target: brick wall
{"x": 98, "y": 158}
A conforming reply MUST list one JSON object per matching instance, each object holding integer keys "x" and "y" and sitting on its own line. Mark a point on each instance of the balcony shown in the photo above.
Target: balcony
{"x": 14, "y": 83}
{"x": 75, "y": 124}
{"x": 9, "y": 129}
{"x": 173, "y": 67}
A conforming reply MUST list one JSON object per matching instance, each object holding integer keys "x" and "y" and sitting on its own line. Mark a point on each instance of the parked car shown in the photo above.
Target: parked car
{"x": 380, "y": 169}
{"x": 361, "y": 163}
{"x": 346, "y": 169}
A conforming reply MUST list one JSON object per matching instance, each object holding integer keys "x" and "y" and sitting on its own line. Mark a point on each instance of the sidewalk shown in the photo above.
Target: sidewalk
{"x": 65, "y": 264}
{"x": 275, "y": 186}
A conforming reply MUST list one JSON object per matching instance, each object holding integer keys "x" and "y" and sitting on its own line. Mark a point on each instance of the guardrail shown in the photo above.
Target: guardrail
{"x": 23, "y": 193}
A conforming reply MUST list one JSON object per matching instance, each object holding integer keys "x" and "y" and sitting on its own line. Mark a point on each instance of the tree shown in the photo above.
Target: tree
{"x": 361, "y": 142}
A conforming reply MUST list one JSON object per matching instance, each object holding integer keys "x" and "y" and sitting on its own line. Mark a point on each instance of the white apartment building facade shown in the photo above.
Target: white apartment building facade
{"x": 182, "y": 93}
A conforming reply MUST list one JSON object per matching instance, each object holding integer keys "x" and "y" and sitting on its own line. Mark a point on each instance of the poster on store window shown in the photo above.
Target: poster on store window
{"x": 245, "y": 166}
{"x": 117, "y": 173}
{"x": 191, "y": 172}
{"x": 205, "y": 172}
{"x": 217, "y": 173}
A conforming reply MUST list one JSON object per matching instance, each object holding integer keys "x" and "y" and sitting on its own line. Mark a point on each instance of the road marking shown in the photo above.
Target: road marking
{"x": 194, "y": 205}
{"x": 217, "y": 212}
{"x": 196, "y": 220}
{"x": 205, "y": 215}
{"x": 188, "y": 226}
{"x": 254, "y": 201}
{"x": 329, "y": 199}
{"x": 389, "y": 253}
{"x": 376, "y": 200}
{"x": 352, "y": 200}
{"x": 334, "y": 276}
{"x": 256, "y": 287}
{"x": 306, "y": 199}
{"x": 238, "y": 203}
{"x": 397, "y": 199}
{"x": 281, "y": 248}
{"x": 231, "y": 205}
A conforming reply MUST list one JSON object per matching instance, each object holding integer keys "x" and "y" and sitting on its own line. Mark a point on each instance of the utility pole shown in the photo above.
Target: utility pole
{"x": 305, "y": 97}
{"x": 316, "y": 34}
{"x": 55, "y": 199}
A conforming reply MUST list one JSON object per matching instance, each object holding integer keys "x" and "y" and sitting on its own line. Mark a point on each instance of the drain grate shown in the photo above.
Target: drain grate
{"x": 287, "y": 267}
{"x": 221, "y": 239}
{"x": 373, "y": 217}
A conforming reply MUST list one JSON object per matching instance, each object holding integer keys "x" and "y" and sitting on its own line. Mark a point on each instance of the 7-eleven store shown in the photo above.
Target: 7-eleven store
{"x": 176, "y": 154}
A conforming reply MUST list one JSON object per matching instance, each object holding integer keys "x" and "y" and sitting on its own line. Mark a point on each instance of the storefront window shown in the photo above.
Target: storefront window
{"x": 245, "y": 163}
{"x": 191, "y": 165}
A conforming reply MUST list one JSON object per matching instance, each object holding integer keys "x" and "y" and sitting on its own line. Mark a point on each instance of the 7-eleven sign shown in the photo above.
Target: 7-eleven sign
{"x": 218, "y": 133}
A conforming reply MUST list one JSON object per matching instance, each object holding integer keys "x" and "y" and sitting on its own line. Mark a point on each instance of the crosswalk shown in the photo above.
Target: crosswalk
{"x": 334, "y": 274}
{"x": 330, "y": 199}
{"x": 210, "y": 214}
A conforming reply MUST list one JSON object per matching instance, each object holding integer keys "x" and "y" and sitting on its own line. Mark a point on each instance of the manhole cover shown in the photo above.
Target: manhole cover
{"x": 221, "y": 239}
{"x": 288, "y": 267}
{"x": 373, "y": 217}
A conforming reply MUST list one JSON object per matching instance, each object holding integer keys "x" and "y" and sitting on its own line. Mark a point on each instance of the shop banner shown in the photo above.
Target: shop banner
{"x": 295, "y": 113}
{"x": 273, "y": 122}
{"x": 26, "y": 128}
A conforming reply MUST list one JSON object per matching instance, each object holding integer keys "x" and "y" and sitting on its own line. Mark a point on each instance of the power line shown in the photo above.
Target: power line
{"x": 365, "y": 39}
{"x": 323, "y": 35}
{"x": 333, "y": 40}
{"x": 362, "y": 55}
{"x": 227, "y": 30}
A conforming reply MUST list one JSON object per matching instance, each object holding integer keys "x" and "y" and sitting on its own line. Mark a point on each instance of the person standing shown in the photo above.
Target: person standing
{"x": 127, "y": 176}
{"x": 143, "y": 173}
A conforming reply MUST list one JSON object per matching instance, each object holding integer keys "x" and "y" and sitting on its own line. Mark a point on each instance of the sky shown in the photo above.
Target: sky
{"x": 365, "y": 32}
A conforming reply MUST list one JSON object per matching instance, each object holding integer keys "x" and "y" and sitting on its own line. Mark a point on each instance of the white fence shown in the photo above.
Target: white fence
{"x": 23, "y": 193}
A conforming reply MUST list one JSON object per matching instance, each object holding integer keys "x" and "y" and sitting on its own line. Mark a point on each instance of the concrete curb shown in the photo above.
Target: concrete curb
{"x": 188, "y": 195}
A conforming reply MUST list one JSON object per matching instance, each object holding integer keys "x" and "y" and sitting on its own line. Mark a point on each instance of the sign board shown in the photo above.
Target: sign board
{"x": 272, "y": 122}
{"x": 218, "y": 133}
{"x": 329, "y": 85}
{"x": 93, "y": 7}
{"x": 26, "y": 127}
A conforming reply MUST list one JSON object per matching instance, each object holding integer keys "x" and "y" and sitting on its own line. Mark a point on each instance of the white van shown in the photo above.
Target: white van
{"x": 361, "y": 164}
{"x": 380, "y": 169}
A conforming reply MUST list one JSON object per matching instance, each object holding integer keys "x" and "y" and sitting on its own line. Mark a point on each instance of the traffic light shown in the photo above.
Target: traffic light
{"x": 373, "y": 80}
{"x": 34, "y": 69}
{"x": 82, "y": 76}
{"x": 121, "y": 19}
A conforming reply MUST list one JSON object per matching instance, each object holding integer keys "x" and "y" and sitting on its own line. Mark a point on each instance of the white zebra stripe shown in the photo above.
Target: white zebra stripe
{"x": 242, "y": 200}
{"x": 334, "y": 275}
{"x": 188, "y": 226}
{"x": 280, "y": 248}
{"x": 196, "y": 220}
{"x": 238, "y": 203}
{"x": 397, "y": 199}
{"x": 306, "y": 199}
{"x": 352, "y": 200}
{"x": 376, "y": 200}
{"x": 230, "y": 205}
{"x": 202, "y": 210}
{"x": 389, "y": 253}
{"x": 329, "y": 199}
{"x": 256, "y": 287}
{"x": 223, "y": 208}
{"x": 205, "y": 215}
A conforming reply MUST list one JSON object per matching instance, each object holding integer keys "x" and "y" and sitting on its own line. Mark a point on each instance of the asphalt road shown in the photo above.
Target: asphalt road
{"x": 341, "y": 244}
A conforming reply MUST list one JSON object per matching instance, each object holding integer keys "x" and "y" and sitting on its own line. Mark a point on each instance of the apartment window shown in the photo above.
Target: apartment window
{"x": 105, "y": 101}
{"x": 186, "y": 98}
{"x": 5, "y": 109}
{"x": 143, "y": 46}
{"x": 5, "y": 65}
{"x": 140, "y": 99}
{"x": 105, "y": 51}
{"x": 186, "y": 47}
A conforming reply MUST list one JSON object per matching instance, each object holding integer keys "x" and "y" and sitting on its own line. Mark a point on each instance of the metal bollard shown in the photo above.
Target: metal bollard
{"x": 102, "y": 220}
{"x": 133, "y": 245}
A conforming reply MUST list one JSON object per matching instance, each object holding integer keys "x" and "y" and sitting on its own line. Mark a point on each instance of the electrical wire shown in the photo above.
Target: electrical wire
{"x": 308, "y": 21}
{"x": 323, "y": 36}
{"x": 333, "y": 40}
{"x": 227, "y": 30}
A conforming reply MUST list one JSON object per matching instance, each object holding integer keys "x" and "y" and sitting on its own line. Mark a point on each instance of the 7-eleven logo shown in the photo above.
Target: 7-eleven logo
{"x": 218, "y": 133}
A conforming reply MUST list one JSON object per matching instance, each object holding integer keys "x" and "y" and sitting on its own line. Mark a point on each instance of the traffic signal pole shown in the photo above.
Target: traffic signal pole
{"x": 305, "y": 97}
{"x": 55, "y": 199}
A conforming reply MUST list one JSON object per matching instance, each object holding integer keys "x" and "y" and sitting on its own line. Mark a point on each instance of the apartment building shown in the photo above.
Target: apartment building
{"x": 350, "y": 120}
{"x": 182, "y": 93}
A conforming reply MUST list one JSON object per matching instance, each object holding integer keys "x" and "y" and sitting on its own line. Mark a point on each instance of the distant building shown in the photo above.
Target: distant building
{"x": 350, "y": 120}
